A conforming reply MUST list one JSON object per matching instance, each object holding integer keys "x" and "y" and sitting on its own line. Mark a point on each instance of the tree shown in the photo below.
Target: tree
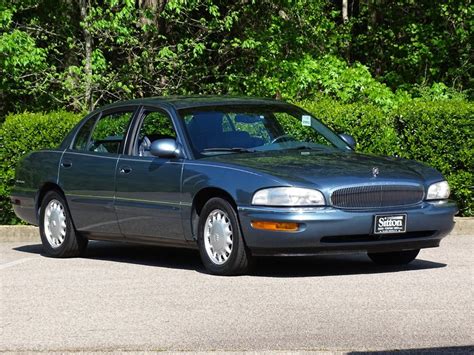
{"x": 84, "y": 6}
{"x": 345, "y": 11}
{"x": 78, "y": 54}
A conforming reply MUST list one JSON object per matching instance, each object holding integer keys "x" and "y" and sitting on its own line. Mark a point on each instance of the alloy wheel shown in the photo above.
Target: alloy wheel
{"x": 218, "y": 237}
{"x": 55, "y": 223}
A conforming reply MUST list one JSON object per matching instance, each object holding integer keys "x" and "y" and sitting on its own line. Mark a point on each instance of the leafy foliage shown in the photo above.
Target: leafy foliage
{"x": 81, "y": 54}
{"x": 415, "y": 42}
{"x": 328, "y": 76}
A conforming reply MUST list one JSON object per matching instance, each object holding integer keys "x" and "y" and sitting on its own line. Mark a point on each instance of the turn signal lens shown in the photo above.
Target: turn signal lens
{"x": 275, "y": 226}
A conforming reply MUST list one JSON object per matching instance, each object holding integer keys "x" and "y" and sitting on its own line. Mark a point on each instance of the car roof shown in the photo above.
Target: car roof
{"x": 184, "y": 102}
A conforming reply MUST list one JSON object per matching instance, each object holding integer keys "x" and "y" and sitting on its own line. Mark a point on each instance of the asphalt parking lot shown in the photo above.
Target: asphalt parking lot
{"x": 126, "y": 297}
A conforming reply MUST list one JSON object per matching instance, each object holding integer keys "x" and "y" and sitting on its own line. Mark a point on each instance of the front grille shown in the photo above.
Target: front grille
{"x": 376, "y": 196}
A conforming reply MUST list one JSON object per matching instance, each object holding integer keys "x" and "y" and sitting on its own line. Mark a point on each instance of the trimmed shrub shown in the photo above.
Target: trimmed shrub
{"x": 440, "y": 133}
{"x": 21, "y": 134}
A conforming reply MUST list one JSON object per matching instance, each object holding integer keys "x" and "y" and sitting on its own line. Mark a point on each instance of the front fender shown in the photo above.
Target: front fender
{"x": 239, "y": 183}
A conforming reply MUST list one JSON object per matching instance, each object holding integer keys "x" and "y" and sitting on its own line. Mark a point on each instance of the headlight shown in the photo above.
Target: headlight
{"x": 288, "y": 196}
{"x": 438, "y": 191}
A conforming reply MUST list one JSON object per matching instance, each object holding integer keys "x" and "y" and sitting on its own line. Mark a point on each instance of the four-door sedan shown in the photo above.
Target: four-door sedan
{"x": 233, "y": 177}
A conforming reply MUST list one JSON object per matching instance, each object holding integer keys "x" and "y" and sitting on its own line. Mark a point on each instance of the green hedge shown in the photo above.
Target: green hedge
{"x": 438, "y": 133}
{"x": 20, "y": 134}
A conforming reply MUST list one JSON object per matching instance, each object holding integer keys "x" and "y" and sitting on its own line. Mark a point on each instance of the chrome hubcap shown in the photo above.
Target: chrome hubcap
{"x": 218, "y": 238}
{"x": 55, "y": 223}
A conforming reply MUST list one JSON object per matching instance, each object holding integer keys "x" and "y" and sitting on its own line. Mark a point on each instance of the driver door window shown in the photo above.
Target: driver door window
{"x": 155, "y": 125}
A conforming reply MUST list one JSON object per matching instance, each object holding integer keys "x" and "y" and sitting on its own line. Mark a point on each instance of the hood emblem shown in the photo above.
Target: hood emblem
{"x": 375, "y": 171}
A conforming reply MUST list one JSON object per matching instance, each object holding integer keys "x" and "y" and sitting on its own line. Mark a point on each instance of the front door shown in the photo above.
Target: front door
{"x": 148, "y": 188}
{"x": 87, "y": 172}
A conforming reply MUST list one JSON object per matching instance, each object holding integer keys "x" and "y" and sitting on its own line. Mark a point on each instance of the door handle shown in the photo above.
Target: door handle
{"x": 66, "y": 163}
{"x": 125, "y": 169}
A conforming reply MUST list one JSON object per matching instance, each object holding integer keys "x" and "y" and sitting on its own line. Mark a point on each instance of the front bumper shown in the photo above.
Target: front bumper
{"x": 328, "y": 229}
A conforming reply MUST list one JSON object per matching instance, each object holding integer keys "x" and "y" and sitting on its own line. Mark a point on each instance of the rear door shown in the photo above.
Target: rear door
{"x": 87, "y": 171}
{"x": 148, "y": 188}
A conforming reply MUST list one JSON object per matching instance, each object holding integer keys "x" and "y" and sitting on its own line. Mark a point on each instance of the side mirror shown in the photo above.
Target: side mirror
{"x": 165, "y": 148}
{"x": 349, "y": 140}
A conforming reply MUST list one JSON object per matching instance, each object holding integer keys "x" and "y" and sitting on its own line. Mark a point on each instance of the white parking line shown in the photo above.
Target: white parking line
{"x": 15, "y": 262}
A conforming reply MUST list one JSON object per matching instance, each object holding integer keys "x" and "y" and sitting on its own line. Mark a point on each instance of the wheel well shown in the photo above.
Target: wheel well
{"x": 49, "y": 186}
{"x": 200, "y": 200}
{"x": 206, "y": 194}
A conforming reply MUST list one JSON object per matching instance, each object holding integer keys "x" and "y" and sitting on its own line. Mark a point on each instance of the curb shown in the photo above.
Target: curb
{"x": 463, "y": 226}
{"x": 19, "y": 234}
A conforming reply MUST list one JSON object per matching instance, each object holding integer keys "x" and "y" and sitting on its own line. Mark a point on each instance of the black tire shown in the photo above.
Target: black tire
{"x": 73, "y": 244}
{"x": 238, "y": 260}
{"x": 395, "y": 257}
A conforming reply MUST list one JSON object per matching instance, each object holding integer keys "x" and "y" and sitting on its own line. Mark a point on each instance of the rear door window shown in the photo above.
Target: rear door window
{"x": 108, "y": 134}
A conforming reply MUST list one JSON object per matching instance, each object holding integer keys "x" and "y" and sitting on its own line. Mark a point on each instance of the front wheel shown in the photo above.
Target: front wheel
{"x": 221, "y": 245}
{"x": 395, "y": 257}
{"x": 58, "y": 235}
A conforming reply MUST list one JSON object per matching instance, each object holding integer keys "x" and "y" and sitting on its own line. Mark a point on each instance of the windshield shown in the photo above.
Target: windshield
{"x": 237, "y": 129}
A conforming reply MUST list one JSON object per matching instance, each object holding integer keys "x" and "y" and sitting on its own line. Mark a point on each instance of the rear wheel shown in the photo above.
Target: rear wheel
{"x": 394, "y": 258}
{"x": 58, "y": 235}
{"x": 221, "y": 245}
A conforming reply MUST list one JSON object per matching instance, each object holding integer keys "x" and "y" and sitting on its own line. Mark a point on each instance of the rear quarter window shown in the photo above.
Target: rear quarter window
{"x": 82, "y": 137}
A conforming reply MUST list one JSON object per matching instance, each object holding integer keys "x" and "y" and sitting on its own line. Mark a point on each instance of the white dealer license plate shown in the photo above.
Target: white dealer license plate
{"x": 390, "y": 224}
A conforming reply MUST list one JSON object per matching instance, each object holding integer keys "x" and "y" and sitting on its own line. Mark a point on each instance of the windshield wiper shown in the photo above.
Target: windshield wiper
{"x": 233, "y": 149}
{"x": 308, "y": 147}
{"x": 301, "y": 147}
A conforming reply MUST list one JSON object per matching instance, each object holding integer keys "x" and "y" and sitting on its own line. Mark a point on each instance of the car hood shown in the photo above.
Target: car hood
{"x": 331, "y": 168}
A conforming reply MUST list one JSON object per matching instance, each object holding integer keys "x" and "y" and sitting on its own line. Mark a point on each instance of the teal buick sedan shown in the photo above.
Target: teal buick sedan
{"x": 233, "y": 177}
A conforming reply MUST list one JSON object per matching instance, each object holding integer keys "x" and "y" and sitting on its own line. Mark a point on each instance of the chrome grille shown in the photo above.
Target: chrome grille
{"x": 376, "y": 196}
